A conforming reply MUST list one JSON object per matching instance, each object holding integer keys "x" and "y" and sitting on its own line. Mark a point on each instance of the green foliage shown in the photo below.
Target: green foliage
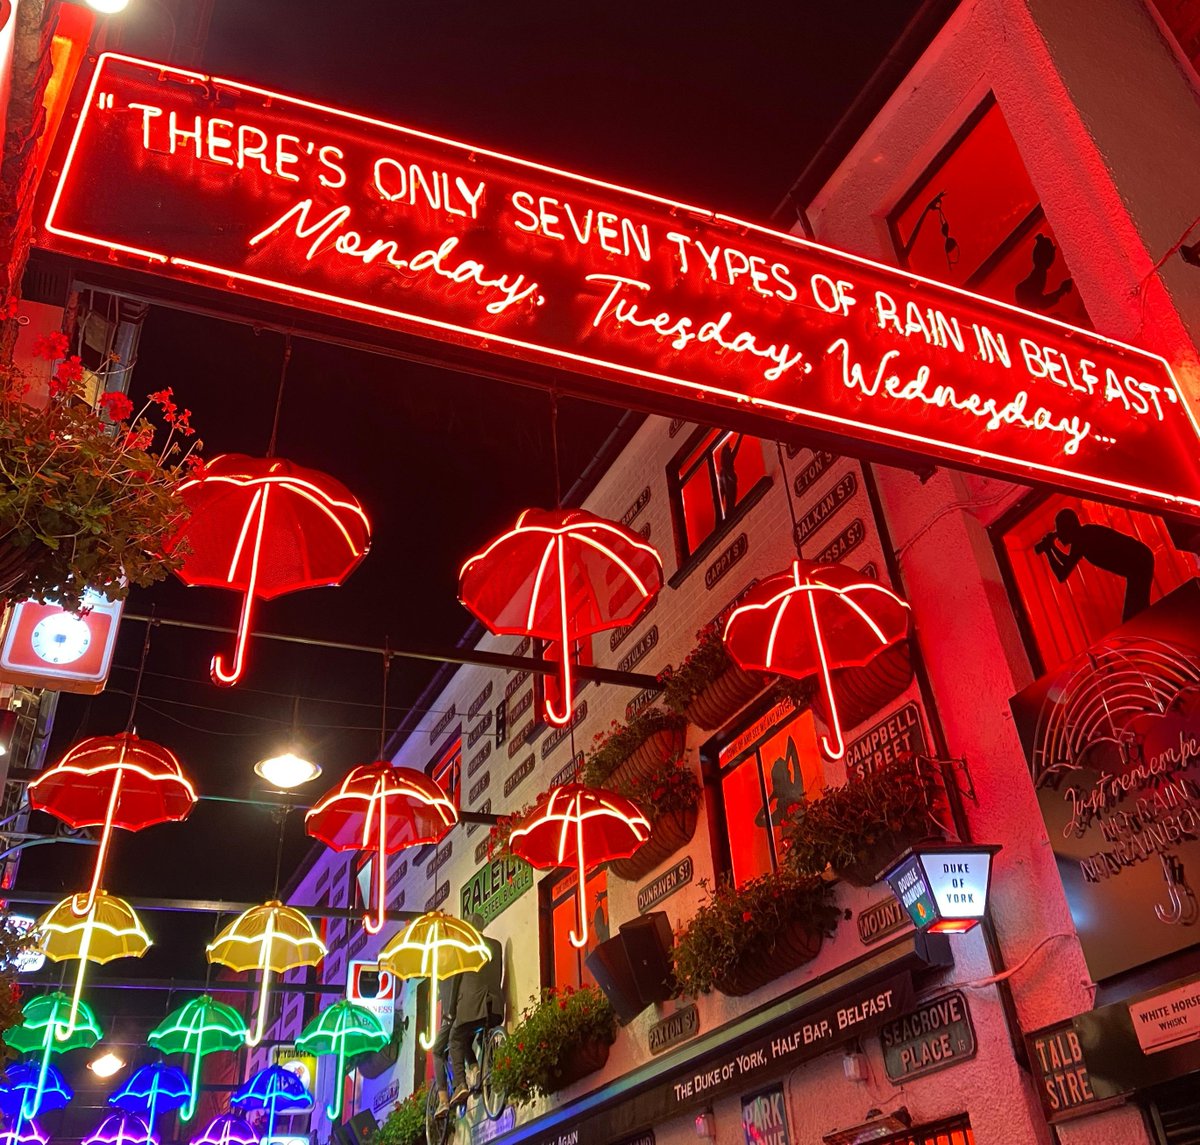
{"x": 547, "y": 1037}
{"x": 846, "y": 824}
{"x": 737, "y": 923}
{"x": 613, "y": 747}
{"x": 672, "y": 786}
{"x": 708, "y": 661}
{"x": 405, "y": 1125}
{"x": 87, "y": 497}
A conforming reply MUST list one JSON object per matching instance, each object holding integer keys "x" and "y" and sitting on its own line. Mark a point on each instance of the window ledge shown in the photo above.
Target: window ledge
{"x": 757, "y": 492}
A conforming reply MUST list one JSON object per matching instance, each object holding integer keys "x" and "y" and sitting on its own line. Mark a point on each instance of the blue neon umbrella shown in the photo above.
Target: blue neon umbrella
{"x": 22, "y": 1081}
{"x": 275, "y": 1089}
{"x": 153, "y": 1089}
{"x": 122, "y": 1128}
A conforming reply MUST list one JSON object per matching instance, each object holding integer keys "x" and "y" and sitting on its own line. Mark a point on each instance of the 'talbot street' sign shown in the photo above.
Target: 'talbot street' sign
{"x": 227, "y": 185}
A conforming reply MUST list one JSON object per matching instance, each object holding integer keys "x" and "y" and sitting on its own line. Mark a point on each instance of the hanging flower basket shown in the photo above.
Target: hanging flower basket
{"x": 668, "y": 833}
{"x": 743, "y": 937}
{"x": 585, "y": 1058}
{"x": 861, "y": 692}
{"x": 633, "y": 751}
{"x": 708, "y": 687}
{"x": 853, "y": 830}
{"x": 794, "y": 945}
{"x": 718, "y": 702}
{"x": 88, "y": 499}
{"x": 561, "y": 1038}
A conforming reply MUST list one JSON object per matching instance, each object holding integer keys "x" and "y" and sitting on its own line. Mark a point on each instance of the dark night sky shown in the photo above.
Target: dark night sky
{"x": 718, "y": 104}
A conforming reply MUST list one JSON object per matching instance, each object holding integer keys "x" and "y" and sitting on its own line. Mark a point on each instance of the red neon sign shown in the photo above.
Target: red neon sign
{"x": 233, "y": 187}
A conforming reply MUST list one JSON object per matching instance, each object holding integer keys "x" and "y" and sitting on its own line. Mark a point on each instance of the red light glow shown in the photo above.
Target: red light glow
{"x": 304, "y": 204}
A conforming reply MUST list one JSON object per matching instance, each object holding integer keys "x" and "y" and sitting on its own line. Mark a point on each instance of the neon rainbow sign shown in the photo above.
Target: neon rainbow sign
{"x": 670, "y": 306}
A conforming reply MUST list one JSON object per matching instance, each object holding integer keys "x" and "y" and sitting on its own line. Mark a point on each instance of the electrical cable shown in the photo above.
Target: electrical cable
{"x": 1004, "y": 975}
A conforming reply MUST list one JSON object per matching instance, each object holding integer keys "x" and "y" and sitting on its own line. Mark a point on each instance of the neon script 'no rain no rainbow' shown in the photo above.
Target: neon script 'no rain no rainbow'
{"x": 292, "y": 201}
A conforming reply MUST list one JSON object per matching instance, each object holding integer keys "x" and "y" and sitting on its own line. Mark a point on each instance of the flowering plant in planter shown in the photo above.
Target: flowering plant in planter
{"x": 743, "y": 937}
{"x": 502, "y": 829}
{"x": 88, "y": 498}
{"x": 708, "y": 686}
{"x": 854, "y": 829}
{"x": 405, "y": 1125}
{"x": 670, "y": 798}
{"x": 613, "y": 747}
{"x": 560, "y": 1038}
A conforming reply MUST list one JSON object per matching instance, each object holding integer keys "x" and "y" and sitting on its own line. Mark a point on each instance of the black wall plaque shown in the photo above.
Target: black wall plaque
{"x": 631, "y": 514}
{"x": 645, "y": 644}
{"x": 477, "y": 703}
{"x": 479, "y": 759}
{"x": 438, "y": 897}
{"x": 812, "y": 469}
{"x": 684, "y": 1023}
{"x": 444, "y": 721}
{"x": 881, "y": 919}
{"x": 479, "y": 730}
{"x": 934, "y": 1036}
{"x": 479, "y": 787}
{"x": 560, "y": 735}
{"x": 666, "y": 884}
{"x": 824, "y": 510}
{"x": 730, "y": 557}
{"x": 844, "y": 543}
{"x": 893, "y": 736}
{"x": 523, "y": 772}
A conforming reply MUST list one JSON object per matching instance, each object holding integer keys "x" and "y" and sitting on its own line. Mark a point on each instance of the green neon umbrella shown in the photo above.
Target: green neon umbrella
{"x": 200, "y": 1027}
{"x": 344, "y": 1030}
{"x": 44, "y": 1017}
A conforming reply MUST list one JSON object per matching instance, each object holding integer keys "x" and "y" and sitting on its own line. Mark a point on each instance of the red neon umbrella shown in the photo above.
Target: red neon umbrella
{"x": 264, "y": 527}
{"x": 585, "y": 825}
{"x": 561, "y": 575}
{"x": 382, "y": 807}
{"x": 812, "y": 619}
{"x": 113, "y": 781}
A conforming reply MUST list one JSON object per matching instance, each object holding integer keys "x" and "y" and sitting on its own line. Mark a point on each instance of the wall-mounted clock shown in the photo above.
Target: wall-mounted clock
{"x": 47, "y": 647}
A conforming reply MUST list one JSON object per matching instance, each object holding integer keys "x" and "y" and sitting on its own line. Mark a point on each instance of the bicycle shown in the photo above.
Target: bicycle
{"x": 493, "y": 1099}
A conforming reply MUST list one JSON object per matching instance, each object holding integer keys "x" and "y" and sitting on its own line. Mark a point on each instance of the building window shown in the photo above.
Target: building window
{"x": 974, "y": 220}
{"x": 771, "y": 765}
{"x": 563, "y": 962}
{"x": 446, "y": 772}
{"x": 708, "y": 480}
{"x": 956, "y": 1132}
{"x": 1065, "y": 616}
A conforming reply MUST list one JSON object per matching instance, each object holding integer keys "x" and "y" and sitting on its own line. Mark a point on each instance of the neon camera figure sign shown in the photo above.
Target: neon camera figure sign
{"x": 649, "y": 302}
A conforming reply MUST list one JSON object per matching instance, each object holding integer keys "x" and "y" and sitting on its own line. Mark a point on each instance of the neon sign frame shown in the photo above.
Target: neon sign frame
{"x": 717, "y": 315}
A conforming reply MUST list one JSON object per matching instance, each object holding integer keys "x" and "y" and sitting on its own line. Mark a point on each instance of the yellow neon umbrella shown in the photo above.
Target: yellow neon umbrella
{"x": 108, "y": 929}
{"x": 271, "y": 938}
{"x": 435, "y": 946}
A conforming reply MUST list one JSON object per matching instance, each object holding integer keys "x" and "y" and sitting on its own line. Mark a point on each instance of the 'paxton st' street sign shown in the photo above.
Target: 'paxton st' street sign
{"x": 637, "y": 299}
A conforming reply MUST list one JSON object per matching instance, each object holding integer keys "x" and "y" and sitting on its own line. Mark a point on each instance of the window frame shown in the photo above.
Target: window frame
{"x": 548, "y": 901}
{"x": 687, "y": 559}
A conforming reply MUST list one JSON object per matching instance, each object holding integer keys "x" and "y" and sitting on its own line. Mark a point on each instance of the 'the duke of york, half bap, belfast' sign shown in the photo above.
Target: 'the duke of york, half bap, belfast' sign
{"x": 226, "y": 185}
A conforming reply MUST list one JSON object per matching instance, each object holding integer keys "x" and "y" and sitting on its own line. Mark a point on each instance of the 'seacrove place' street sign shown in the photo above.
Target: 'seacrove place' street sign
{"x": 226, "y": 185}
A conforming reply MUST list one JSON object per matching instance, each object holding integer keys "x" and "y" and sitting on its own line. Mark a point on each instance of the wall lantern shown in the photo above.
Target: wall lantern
{"x": 943, "y": 886}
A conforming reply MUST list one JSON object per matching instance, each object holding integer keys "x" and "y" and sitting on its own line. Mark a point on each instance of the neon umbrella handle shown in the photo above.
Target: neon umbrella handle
{"x": 189, "y": 1109}
{"x": 217, "y": 670}
{"x": 580, "y": 940}
{"x": 28, "y": 1113}
{"x": 375, "y": 925}
{"x": 564, "y": 671}
{"x": 105, "y": 838}
{"x": 63, "y": 1033}
{"x": 260, "y": 1020}
{"x": 427, "y": 1040}
{"x": 334, "y": 1111}
{"x": 838, "y": 748}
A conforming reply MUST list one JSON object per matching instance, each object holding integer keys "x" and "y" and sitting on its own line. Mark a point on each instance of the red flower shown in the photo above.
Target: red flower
{"x": 747, "y": 916}
{"x": 51, "y": 346}
{"x": 70, "y": 371}
{"x": 196, "y": 469}
{"x": 117, "y": 405}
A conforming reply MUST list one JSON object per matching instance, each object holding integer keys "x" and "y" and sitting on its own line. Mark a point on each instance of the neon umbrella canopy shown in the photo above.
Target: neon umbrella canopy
{"x": 343, "y": 1030}
{"x": 121, "y": 1128}
{"x": 579, "y": 826}
{"x": 227, "y": 1129}
{"x": 24, "y": 1131}
{"x": 21, "y": 1081}
{"x": 200, "y": 1027}
{"x": 265, "y": 527}
{"x": 272, "y": 938}
{"x": 113, "y": 781}
{"x": 812, "y": 619}
{"x": 110, "y": 929}
{"x": 561, "y": 575}
{"x": 275, "y": 1089}
{"x": 435, "y": 946}
{"x": 384, "y": 808}
{"x": 44, "y": 1015}
{"x": 152, "y": 1089}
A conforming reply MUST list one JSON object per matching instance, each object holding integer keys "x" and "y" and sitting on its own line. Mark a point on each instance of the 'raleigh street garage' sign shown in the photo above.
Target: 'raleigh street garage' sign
{"x": 233, "y": 187}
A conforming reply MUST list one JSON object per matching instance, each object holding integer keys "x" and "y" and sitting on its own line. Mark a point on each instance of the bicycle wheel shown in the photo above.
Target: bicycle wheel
{"x": 437, "y": 1128}
{"x": 493, "y": 1097}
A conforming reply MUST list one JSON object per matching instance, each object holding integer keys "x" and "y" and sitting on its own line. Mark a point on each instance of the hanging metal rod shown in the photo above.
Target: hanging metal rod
{"x": 475, "y": 656}
{"x": 206, "y": 906}
{"x": 188, "y": 986}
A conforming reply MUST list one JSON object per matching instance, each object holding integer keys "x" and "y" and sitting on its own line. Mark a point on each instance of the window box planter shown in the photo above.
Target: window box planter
{"x": 633, "y": 752}
{"x": 668, "y": 833}
{"x": 719, "y": 701}
{"x": 575, "y": 1063}
{"x": 794, "y": 945}
{"x": 861, "y": 692}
